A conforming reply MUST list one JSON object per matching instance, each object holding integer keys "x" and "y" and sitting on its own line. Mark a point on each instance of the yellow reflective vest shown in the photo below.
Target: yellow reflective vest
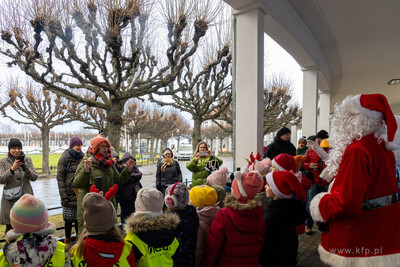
{"x": 58, "y": 259}
{"x": 151, "y": 256}
{"x": 121, "y": 262}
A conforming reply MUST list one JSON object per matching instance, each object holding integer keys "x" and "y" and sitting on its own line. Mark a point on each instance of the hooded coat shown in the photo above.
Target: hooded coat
{"x": 187, "y": 236}
{"x": 128, "y": 191}
{"x": 206, "y": 217}
{"x": 157, "y": 233}
{"x": 13, "y": 180}
{"x": 279, "y": 146}
{"x": 33, "y": 250}
{"x": 65, "y": 177}
{"x": 236, "y": 235}
{"x": 282, "y": 217}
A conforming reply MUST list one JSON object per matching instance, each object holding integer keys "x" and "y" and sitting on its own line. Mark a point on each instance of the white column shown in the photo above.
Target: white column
{"x": 293, "y": 137}
{"x": 310, "y": 97}
{"x": 324, "y": 111}
{"x": 248, "y": 84}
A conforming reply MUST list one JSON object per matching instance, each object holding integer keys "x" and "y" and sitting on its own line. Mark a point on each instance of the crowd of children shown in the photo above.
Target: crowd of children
{"x": 255, "y": 224}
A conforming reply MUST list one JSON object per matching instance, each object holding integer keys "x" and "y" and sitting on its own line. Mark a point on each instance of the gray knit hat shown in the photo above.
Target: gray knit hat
{"x": 99, "y": 214}
{"x": 149, "y": 202}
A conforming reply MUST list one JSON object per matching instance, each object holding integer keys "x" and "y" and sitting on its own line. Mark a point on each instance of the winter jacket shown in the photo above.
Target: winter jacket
{"x": 66, "y": 176}
{"x": 98, "y": 245}
{"x": 153, "y": 240}
{"x": 281, "y": 242}
{"x": 236, "y": 235}
{"x": 279, "y": 146}
{"x": 172, "y": 174}
{"x": 13, "y": 180}
{"x": 187, "y": 236}
{"x": 199, "y": 173}
{"x": 127, "y": 191}
{"x": 83, "y": 181}
{"x": 35, "y": 250}
{"x": 312, "y": 157}
{"x": 206, "y": 216}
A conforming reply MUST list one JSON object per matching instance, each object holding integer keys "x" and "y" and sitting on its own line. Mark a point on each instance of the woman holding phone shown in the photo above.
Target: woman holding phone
{"x": 16, "y": 172}
{"x": 202, "y": 163}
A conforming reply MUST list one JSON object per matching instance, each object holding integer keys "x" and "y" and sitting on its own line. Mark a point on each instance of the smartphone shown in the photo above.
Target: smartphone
{"x": 21, "y": 158}
{"x": 203, "y": 153}
{"x": 98, "y": 182}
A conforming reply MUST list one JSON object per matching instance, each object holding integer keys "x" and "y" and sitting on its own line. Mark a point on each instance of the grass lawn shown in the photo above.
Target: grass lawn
{"x": 37, "y": 160}
{"x": 53, "y": 160}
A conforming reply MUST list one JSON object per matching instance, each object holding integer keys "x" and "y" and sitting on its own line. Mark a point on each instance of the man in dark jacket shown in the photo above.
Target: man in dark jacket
{"x": 66, "y": 167}
{"x": 281, "y": 144}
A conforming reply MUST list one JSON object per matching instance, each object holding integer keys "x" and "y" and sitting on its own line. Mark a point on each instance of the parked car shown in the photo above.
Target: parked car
{"x": 185, "y": 152}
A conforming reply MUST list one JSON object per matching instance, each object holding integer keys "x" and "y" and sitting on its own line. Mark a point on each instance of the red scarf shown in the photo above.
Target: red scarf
{"x": 103, "y": 160}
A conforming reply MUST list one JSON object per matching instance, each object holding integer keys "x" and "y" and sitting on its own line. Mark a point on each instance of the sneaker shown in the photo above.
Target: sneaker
{"x": 308, "y": 231}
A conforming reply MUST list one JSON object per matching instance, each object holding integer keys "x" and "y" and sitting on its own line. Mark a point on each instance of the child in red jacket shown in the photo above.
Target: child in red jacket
{"x": 236, "y": 235}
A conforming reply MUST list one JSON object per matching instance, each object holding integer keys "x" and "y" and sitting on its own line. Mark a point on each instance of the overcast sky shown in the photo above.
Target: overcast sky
{"x": 279, "y": 61}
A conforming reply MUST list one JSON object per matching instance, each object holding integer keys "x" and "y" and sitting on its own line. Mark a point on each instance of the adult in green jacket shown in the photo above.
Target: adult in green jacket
{"x": 197, "y": 165}
{"x": 98, "y": 162}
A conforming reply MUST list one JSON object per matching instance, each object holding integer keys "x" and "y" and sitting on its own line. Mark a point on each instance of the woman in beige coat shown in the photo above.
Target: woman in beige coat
{"x": 15, "y": 172}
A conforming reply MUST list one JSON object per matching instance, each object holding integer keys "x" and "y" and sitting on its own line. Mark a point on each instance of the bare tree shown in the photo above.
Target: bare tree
{"x": 41, "y": 109}
{"x": 278, "y": 109}
{"x": 107, "y": 48}
{"x": 136, "y": 120}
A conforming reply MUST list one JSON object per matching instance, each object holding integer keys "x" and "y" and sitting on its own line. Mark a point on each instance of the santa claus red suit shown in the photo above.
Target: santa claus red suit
{"x": 361, "y": 210}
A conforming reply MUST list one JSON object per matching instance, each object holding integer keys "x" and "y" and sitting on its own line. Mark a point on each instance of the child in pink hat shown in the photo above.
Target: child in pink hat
{"x": 217, "y": 180}
{"x": 31, "y": 241}
{"x": 236, "y": 235}
{"x": 286, "y": 210}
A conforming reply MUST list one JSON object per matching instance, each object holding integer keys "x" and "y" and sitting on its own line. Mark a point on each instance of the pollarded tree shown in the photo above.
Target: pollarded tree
{"x": 103, "y": 47}
{"x": 41, "y": 109}
{"x": 95, "y": 118}
{"x": 279, "y": 111}
{"x": 203, "y": 88}
{"x": 136, "y": 120}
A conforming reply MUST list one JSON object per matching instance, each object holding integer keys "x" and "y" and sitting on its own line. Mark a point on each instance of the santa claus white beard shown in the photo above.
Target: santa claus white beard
{"x": 347, "y": 125}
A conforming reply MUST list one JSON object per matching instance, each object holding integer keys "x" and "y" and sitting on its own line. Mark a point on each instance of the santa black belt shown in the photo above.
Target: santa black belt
{"x": 380, "y": 202}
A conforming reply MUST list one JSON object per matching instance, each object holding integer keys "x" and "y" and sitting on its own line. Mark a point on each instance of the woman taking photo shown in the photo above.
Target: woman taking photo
{"x": 168, "y": 171}
{"x": 16, "y": 172}
{"x": 202, "y": 164}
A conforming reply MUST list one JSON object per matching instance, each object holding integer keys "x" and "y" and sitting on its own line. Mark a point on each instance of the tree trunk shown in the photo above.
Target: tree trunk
{"x": 179, "y": 141}
{"x": 164, "y": 144}
{"x": 114, "y": 123}
{"x": 151, "y": 146}
{"x": 133, "y": 144}
{"x": 46, "y": 149}
{"x": 196, "y": 136}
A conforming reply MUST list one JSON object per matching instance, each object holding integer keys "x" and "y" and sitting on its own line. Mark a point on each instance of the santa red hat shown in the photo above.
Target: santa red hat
{"x": 285, "y": 185}
{"x": 376, "y": 106}
{"x": 245, "y": 186}
{"x": 284, "y": 162}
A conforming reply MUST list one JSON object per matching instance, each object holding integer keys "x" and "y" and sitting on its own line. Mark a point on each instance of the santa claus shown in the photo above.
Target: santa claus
{"x": 361, "y": 210}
